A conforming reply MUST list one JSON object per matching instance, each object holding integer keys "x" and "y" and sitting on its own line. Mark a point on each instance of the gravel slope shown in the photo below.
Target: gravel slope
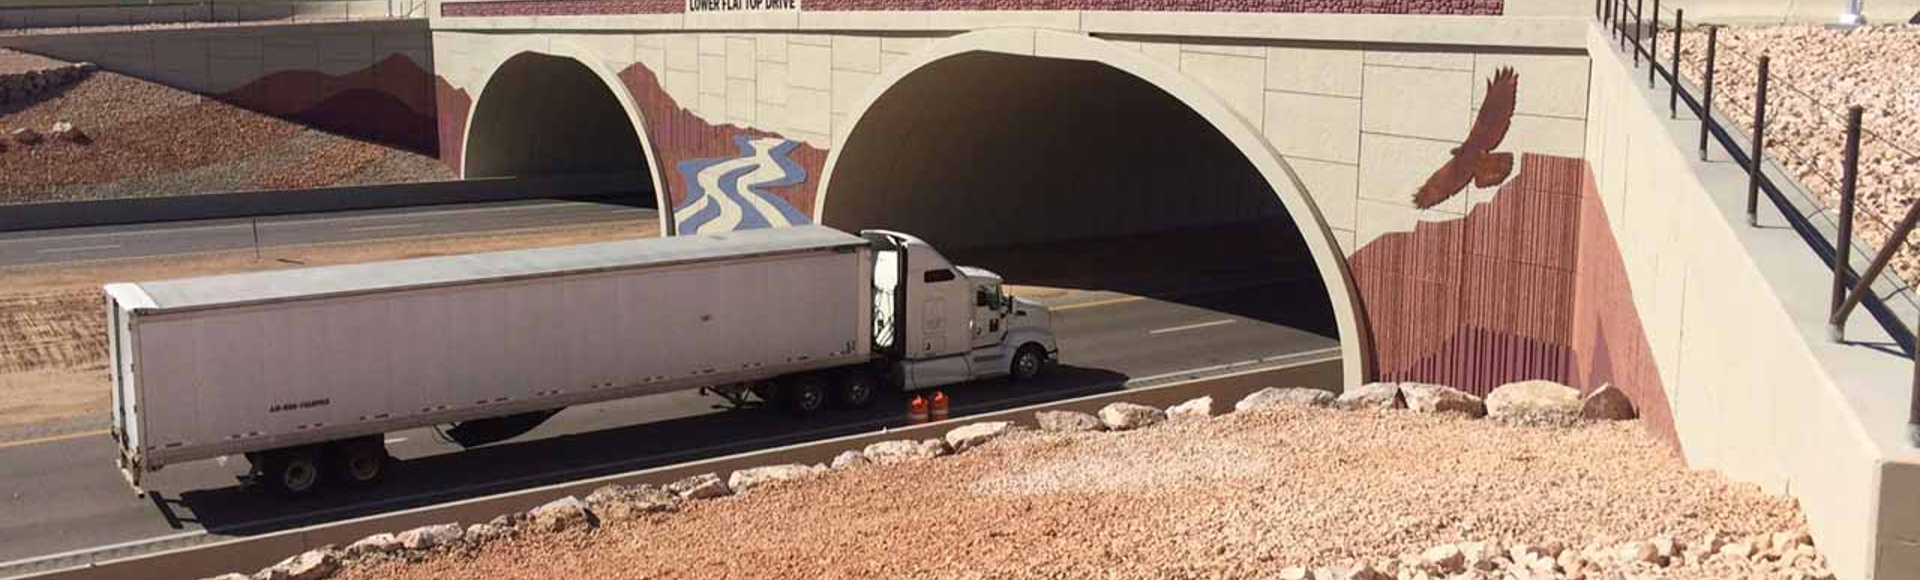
{"x": 1241, "y": 496}
{"x": 1818, "y": 72}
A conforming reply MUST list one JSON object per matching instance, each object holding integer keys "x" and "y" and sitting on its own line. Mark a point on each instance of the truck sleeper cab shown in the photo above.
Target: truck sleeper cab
{"x": 304, "y": 371}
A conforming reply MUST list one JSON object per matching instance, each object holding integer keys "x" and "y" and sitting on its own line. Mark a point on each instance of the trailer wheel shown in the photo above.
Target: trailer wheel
{"x": 855, "y": 389}
{"x": 803, "y": 395}
{"x": 292, "y": 472}
{"x": 360, "y": 461}
{"x": 1028, "y": 362}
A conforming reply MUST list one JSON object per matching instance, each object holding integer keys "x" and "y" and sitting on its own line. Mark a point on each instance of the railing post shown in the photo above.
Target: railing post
{"x": 1756, "y": 153}
{"x": 1913, "y": 399}
{"x": 1653, "y": 40}
{"x": 1638, "y": 23}
{"x": 1620, "y": 24}
{"x": 1843, "y": 243}
{"x": 1706, "y": 100}
{"x": 1673, "y": 93}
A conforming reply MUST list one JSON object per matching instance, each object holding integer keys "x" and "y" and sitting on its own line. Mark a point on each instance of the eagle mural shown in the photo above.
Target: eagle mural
{"x": 1474, "y": 160}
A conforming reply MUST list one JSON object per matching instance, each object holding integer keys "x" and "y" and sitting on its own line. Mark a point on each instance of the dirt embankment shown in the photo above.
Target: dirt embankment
{"x": 52, "y": 319}
{"x": 144, "y": 139}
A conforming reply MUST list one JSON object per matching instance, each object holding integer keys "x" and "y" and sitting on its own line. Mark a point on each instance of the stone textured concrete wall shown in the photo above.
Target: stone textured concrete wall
{"x": 369, "y": 80}
{"x": 578, "y": 7}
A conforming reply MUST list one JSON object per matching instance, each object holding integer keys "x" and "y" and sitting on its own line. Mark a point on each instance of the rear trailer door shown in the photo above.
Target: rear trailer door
{"x": 120, "y": 355}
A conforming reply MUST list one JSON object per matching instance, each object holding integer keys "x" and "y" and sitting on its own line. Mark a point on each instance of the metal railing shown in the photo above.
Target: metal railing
{"x": 1640, "y": 34}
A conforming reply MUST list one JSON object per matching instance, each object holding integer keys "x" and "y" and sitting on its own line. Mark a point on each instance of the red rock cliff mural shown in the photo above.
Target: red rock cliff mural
{"x": 453, "y": 105}
{"x": 391, "y": 102}
{"x": 1528, "y": 286}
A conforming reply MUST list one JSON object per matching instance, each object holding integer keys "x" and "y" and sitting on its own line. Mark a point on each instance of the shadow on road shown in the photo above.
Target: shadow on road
{"x": 244, "y": 510}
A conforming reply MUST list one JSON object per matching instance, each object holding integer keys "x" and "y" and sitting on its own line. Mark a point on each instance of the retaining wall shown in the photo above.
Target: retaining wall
{"x": 1735, "y": 317}
{"x": 38, "y": 17}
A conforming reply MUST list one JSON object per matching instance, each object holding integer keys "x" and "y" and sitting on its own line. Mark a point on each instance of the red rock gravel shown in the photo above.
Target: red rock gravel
{"x": 152, "y": 140}
{"x": 1241, "y": 496}
{"x": 1817, "y": 72}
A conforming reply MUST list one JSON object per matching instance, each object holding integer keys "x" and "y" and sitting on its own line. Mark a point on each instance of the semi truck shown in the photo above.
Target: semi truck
{"x": 303, "y": 371}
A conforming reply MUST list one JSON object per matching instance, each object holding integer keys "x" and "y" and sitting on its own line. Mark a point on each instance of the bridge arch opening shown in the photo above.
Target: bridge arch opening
{"x": 544, "y": 114}
{"x": 1087, "y": 176}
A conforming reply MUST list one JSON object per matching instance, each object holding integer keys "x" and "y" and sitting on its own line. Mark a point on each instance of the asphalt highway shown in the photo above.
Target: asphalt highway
{"x": 128, "y": 241}
{"x": 65, "y": 495}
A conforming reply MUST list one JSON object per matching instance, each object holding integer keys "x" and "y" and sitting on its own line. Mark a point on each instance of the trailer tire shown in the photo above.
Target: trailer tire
{"x": 1028, "y": 362}
{"x": 293, "y": 472}
{"x": 855, "y": 389}
{"x": 359, "y": 462}
{"x": 803, "y": 395}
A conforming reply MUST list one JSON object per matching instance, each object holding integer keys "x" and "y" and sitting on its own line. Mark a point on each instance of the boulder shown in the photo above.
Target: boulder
{"x": 619, "y": 502}
{"x": 898, "y": 451}
{"x": 1124, "y": 416}
{"x": 1444, "y": 558}
{"x": 703, "y": 486}
{"x": 1271, "y": 397}
{"x": 1607, "y": 404}
{"x": 934, "y": 447}
{"x": 380, "y": 543}
{"x": 1201, "y": 408}
{"x": 1363, "y": 571}
{"x": 561, "y": 514}
{"x": 747, "y": 479}
{"x": 86, "y": 66}
{"x": 25, "y": 136}
{"x": 1293, "y": 573}
{"x": 429, "y": 537}
{"x": 1370, "y": 396}
{"x": 308, "y": 565}
{"x": 65, "y": 131}
{"x": 230, "y": 576}
{"x": 478, "y": 533}
{"x": 1427, "y": 398}
{"x": 1534, "y": 403}
{"x": 970, "y": 436}
{"x": 1066, "y": 421}
{"x": 848, "y": 459}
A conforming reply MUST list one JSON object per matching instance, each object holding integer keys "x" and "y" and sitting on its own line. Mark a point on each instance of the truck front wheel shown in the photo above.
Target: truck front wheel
{"x": 292, "y": 472}
{"x": 1028, "y": 362}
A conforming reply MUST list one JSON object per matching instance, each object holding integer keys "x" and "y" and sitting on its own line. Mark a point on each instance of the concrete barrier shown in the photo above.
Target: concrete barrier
{"x": 1317, "y": 369}
{"x": 265, "y": 203}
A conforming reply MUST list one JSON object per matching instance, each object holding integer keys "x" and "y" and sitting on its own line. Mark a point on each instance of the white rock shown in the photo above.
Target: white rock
{"x": 1534, "y": 403}
{"x": 747, "y": 479}
{"x": 380, "y": 543}
{"x": 308, "y": 565}
{"x": 230, "y": 576}
{"x": 1369, "y": 396}
{"x": 1067, "y": 421}
{"x": 849, "y": 459}
{"x": 703, "y": 486}
{"x": 624, "y": 502}
{"x": 1427, "y": 398}
{"x": 898, "y": 451}
{"x": 1200, "y": 408}
{"x": 1607, "y": 404}
{"x": 970, "y": 436}
{"x": 934, "y": 447}
{"x": 560, "y": 514}
{"x": 478, "y": 533}
{"x": 1270, "y": 397}
{"x": 426, "y": 537}
{"x": 1123, "y": 416}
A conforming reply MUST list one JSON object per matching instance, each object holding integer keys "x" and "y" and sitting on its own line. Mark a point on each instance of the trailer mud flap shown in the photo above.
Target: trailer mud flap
{"x": 483, "y": 431}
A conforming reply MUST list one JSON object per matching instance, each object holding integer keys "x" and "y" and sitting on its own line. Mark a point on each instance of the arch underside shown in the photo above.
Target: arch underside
{"x": 545, "y": 114}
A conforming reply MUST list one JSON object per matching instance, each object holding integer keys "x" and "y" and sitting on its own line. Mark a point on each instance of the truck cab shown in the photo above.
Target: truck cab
{"x": 939, "y": 324}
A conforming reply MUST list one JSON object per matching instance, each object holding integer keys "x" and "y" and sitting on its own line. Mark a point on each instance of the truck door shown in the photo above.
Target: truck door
{"x": 989, "y": 317}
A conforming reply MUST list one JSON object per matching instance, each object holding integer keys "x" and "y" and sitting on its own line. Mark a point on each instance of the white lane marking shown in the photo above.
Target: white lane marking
{"x": 1192, "y": 326}
{"x": 78, "y": 249}
{"x": 393, "y": 440}
{"x": 386, "y": 227}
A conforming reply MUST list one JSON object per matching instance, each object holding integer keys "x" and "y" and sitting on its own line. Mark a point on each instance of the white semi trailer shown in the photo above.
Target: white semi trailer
{"x": 303, "y": 371}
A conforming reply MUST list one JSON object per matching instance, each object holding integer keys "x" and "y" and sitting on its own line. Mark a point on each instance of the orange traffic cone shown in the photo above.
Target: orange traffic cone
{"x": 917, "y": 411}
{"x": 939, "y": 406}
